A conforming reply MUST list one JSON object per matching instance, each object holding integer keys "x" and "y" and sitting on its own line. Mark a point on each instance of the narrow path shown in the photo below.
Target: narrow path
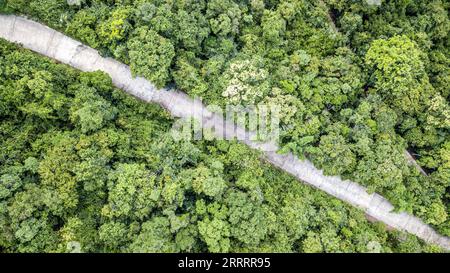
{"x": 413, "y": 162}
{"x": 53, "y": 44}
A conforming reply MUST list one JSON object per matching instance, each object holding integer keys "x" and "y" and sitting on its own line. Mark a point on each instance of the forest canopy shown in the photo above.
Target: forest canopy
{"x": 88, "y": 168}
{"x": 360, "y": 85}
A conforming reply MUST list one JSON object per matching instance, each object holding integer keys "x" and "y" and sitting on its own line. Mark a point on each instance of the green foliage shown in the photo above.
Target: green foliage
{"x": 245, "y": 82}
{"x": 126, "y": 186}
{"x": 131, "y": 193}
{"x": 155, "y": 237}
{"x": 216, "y": 234}
{"x": 116, "y": 27}
{"x": 398, "y": 72}
{"x": 150, "y": 55}
{"x": 113, "y": 235}
{"x": 188, "y": 78}
{"x": 81, "y": 164}
{"x": 83, "y": 26}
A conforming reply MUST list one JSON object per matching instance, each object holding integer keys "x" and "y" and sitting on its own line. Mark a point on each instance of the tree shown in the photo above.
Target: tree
{"x": 207, "y": 180}
{"x": 398, "y": 73}
{"x": 246, "y": 218}
{"x": 79, "y": 235}
{"x": 114, "y": 235}
{"x": 224, "y": 17}
{"x": 133, "y": 192}
{"x": 58, "y": 183}
{"x": 83, "y": 26}
{"x": 150, "y": 55}
{"x": 89, "y": 111}
{"x": 312, "y": 244}
{"x": 115, "y": 28}
{"x": 273, "y": 26}
{"x": 216, "y": 234}
{"x": 192, "y": 29}
{"x": 188, "y": 78}
{"x": 245, "y": 82}
{"x": 9, "y": 183}
{"x": 334, "y": 154}
{"x": 155, "y": 237}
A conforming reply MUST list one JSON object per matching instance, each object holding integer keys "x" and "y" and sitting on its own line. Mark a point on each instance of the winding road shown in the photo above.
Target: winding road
{"x": 55, "y": 45}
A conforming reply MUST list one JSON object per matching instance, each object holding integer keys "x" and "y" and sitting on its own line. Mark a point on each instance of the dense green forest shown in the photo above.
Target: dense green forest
{"x": 358, "y": 83}
{"x": 86, "y": 167}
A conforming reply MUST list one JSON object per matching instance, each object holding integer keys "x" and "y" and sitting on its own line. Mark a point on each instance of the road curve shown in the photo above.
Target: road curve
{"x": 53, "y": 44}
